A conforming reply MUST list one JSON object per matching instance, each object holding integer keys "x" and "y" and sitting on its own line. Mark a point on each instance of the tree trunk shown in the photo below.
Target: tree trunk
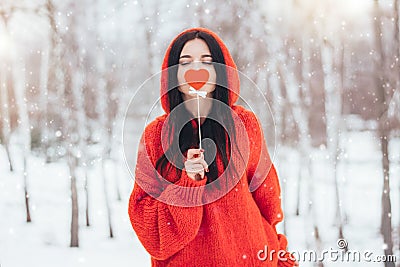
{"x": 44, "y": 92}
{"x": 4, "y": 106}
{"x": 333, "y": 108}
{"x": 54, "y": 77}
{"x": 74, "y": 203}
{"x": 87, "y": 199}
{"x": 384, "y": 134}
{"x": 104, "y": 175}
{"x": 28, "y": 213}
{"x": 24, "y": 127}
{"x": 386, "y": 220}
{"x": 397, "y": 56}
{"x": 116, "y": 175}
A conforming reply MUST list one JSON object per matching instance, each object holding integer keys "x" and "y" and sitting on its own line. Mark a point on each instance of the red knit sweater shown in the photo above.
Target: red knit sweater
{"x": 227, "y": 231}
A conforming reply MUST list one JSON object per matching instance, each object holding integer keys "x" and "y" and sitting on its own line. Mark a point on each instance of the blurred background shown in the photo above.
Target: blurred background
{"x": 329, "y": 70}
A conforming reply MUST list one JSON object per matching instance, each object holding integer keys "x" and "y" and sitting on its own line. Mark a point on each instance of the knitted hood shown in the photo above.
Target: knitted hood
{"x": 231, "y": 70}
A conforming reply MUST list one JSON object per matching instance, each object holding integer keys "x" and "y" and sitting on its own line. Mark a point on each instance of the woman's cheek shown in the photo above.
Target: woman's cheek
{"x": 184, "y": 87}
{"x": 212, "y": 80}
{"x": 182, "y": 83}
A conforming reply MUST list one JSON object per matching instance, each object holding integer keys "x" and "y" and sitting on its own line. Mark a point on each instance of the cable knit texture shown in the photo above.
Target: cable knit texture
{"x": 230, "y": 231}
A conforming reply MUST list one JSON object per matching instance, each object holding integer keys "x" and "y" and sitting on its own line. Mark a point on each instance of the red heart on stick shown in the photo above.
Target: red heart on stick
{"x": 197, "y": 78}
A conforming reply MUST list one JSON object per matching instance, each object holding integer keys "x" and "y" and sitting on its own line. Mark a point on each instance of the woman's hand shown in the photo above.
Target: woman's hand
{"x": 195, "y": 164}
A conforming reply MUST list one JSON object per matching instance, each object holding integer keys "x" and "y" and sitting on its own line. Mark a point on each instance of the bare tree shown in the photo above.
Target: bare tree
{"x": 104, "y": 122}
{"x": 299, "y": 109}
{"x": 396, "y": 43}
{"x": 71, "y": 143}
{"x": 383, "y": 88}
{"x": 24, "y": 127}
{"x": 53, "y": 87}
{"x": 5, "y": 14}
{"x": 71, "y": 88}
{"x": 333, "y": 112}
{"x": 13, "y": 79}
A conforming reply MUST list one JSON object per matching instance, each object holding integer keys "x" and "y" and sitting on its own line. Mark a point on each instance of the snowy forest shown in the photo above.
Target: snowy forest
{"x": 69, "y": 70}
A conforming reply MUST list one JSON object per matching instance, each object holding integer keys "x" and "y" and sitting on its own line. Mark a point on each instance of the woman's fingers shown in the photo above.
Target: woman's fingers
{"x": 195, "y": 168}
{"x": 195, "y": 163}
{"x": 194, "y": 153}
{"x": 200, "y": 161}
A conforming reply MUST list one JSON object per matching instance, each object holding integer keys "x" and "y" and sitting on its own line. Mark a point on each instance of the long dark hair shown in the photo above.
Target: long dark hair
{"x": 188, "y": 136}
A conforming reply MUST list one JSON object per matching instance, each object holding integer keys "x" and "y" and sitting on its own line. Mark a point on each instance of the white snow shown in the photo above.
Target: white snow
{"x": 45, "y": 241}
{"x": 360, "y": 185}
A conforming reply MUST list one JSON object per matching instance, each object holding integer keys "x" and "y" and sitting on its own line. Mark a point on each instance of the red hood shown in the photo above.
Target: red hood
{"x": 232, "y": 73}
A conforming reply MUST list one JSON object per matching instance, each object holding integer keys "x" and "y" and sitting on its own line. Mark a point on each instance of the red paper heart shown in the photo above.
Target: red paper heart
{"x": 197, "y": 78}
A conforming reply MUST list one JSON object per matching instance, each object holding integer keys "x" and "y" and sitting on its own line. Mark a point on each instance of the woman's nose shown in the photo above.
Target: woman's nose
{"x": 196, "y": 64}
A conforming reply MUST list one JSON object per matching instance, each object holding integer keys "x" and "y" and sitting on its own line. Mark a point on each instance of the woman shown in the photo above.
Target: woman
{"x": 192, "y": 206}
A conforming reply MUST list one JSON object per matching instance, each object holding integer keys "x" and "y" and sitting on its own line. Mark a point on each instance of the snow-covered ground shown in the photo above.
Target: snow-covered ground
{"x": 45, "y": 241}
{"x": 360, "y": 187}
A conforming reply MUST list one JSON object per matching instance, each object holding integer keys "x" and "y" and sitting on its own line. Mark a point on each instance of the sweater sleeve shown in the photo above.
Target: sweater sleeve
{"x": 162, "y": 227}
{"x": 265, "y": 187}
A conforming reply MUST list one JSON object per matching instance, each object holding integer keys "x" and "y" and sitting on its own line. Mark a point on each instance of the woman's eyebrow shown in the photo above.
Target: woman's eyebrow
{"x": 188, "y": 56}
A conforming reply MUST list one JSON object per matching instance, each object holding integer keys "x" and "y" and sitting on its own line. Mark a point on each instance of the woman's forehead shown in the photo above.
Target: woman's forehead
{"x": 195, "y": 47}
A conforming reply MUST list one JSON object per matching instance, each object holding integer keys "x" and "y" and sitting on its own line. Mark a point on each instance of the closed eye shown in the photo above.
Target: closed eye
{"x": 184, "y": 63}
